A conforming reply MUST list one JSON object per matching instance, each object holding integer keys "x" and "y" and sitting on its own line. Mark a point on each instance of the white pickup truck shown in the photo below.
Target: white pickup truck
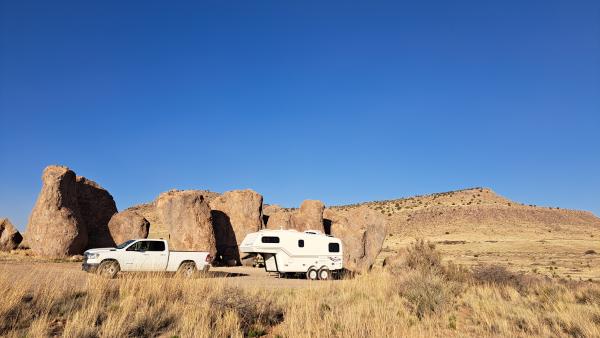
{"x": 144, "y": 255}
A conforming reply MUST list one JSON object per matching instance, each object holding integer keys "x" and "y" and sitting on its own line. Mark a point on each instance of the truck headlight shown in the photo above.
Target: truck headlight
{"x": 92, "y": 256}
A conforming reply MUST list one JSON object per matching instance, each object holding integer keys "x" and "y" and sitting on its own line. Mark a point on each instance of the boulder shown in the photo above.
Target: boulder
{"x": 279, "y": 220}
{"x": 55, "y": 227}
{"x": 268, "y": 210}
{"x": 308, "y": 217}
{"x": 10, "y": 237}
{"x": 96, "y": 207}
{"x": 235, "y": 214}
{"x": 187, "y": 216}
{"x": 127, "y": 225}
{"x": 362, "y": 231}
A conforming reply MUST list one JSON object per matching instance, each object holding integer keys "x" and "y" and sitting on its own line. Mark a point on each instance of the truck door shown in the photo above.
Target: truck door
{"x": 156, "y": 257}
{"x": 135, "y": 256}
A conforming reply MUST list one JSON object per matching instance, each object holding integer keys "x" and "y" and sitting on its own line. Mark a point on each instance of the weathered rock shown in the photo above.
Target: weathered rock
{"x": 127, "y": 225}
{"x": 235, "y": 214}
{"x": 279, "y": 220}
{"x": 55, "y": 228}
{"x": 268, "y": 210}
{"x": 157, "y": 228}
{"x": 309, "y": 216}
{"x": 187, "y": 217}
{"x": 362, "y": 231}
{"x": 10, "y": 237}
{"x": 96, "y": 207}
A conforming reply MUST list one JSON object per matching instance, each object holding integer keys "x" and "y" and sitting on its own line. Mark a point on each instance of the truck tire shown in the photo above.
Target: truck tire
{"x": 187, "y": 269}
{"x": 324, "y": 273}
{"x": 312, "y": 274}
{"x": 109, "y": 269}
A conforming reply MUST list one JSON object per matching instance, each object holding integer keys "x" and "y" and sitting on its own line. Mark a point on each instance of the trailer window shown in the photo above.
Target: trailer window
{"x": 156, "y": 246}
{"x": 270, "y": 239}
{"x": 334, "y": 247}
{"x": 301, "y": 243}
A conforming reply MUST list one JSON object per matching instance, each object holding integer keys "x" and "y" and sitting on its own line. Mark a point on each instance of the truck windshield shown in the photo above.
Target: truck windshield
{"x": 124, "y": 244}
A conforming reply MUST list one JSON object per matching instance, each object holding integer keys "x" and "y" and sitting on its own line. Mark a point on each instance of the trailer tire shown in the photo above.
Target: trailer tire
{"x": 312, "y": 274}
{"x": 324, "y": 273}
{"x": 109, "y": 269}
{"x": 187, "y": 269}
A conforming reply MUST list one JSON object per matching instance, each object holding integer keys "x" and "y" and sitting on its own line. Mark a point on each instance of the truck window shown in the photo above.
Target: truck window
{"x": 139, "y": 246}
{"x": 270, "y": 239}
{"x": 156, "y": 246}
{"x": 301, "y": 243}
{"x": 334, "y": 247}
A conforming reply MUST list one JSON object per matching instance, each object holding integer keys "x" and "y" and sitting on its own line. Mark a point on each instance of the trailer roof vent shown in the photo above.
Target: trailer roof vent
{"x": 313, "y": 232}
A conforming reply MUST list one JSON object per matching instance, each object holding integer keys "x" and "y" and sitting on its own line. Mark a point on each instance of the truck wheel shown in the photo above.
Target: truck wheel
{"x": 324, "y": 273}
{"x": 109, "y": 269}
{"x": 187, "y": 269}
{"x": 312, "y": 274}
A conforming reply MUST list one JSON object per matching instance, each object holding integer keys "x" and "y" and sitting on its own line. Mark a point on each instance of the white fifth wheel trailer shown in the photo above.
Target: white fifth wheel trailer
{"x": 311, "y": 252}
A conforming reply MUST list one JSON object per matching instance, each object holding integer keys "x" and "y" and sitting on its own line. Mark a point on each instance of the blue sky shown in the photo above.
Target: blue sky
{"x": 338, "y": 101}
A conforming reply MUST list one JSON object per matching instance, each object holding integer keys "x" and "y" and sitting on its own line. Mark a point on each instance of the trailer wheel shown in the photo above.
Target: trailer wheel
{"x": 187, "y": 269}
{"x": 324, "y": 273}
{"x": 109, "y": 269}
{"x": 312, "y": 274}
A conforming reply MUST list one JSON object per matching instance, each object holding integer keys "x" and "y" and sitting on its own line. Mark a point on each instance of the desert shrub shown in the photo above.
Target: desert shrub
{"x": 426, "y": 293}
{"x": 590, "y": 252}
{"x": 499, "y": 275}
{"x": 589, "y": 294}
{"x": 254, "y": 314}
{"x": 423, "y": 255}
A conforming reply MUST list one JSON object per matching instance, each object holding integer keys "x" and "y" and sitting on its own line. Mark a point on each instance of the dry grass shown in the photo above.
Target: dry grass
{"x": 423, "y": 299}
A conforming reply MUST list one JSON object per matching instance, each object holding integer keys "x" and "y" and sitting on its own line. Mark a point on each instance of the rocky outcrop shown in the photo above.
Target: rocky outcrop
{"x": 279, "y": 220}
{"x": 70, "y": 215}
{"x": 187, "y": 217}
{"x": 10, "y": 237}
{"x": 235, "y": 214}
{"x": 158, "y": 229}
{"x": 127, "y": 225}
{"x": 96, "y": 207}
{"x": 362, "y": 231}
{"x": 55, "y": 226}
{"x": 308, "y": 217}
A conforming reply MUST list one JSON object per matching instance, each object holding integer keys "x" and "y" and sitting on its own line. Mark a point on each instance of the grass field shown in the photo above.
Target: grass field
{"x": 415, "y": 296}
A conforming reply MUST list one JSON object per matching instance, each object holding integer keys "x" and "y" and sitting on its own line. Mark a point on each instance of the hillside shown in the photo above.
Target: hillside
{"x": 480, "y": 210}
{"x": 477, "y": 226}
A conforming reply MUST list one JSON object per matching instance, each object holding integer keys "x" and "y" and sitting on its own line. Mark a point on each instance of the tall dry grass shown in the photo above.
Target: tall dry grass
{"x": 424, "y": 299}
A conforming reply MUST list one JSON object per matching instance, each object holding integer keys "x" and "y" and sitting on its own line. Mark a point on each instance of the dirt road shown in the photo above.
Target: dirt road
{"x": 234, "y": 276}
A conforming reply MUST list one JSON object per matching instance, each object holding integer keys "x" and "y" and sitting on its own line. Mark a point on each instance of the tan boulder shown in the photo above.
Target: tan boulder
{"x": 308, "y": 217}
{"x": 55, "y": 228}
{"x": 235, "y": 214}
{"x": 362, "y": 231}
{"x": 279, "y": 220}
{"x": 10, "y": 237}
{"x": 96, "y": 207}
{"x": 127, "y": 225}
{"x": 187, "y": 216}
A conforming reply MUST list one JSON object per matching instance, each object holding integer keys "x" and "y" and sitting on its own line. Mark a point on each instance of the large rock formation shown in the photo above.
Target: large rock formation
{"x": 96, "y": 207}
{"x": 279, "y": 220}
{"x": 127, "y": 225}
{"x": 235, "y": 214}
{"x": 362, "y": 231}
{"x": 70, "y": 215}
{"x": 55, "y": 226}
{"x": 158, "y": 229}
{"x": 187, "y": 217}
{"x": 9, "y": 235}
{"x": 309, "y": 216}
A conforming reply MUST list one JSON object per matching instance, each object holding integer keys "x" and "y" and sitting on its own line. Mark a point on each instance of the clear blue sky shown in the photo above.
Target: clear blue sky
{"x": 338, "y": 101}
